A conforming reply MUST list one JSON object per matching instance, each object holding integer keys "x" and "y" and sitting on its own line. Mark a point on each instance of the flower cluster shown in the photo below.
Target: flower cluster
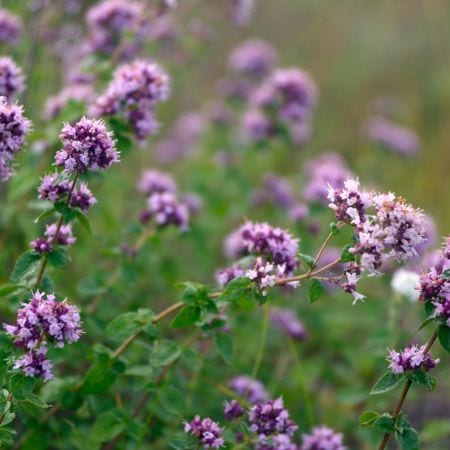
{"x": 276, "y": 190}
{"x": 327, "y": 169}
{"x": 12, "y": 80}
{"x": 242, "y": 11}
{"x": 54, "y": 235}
{"x": 322, "y": 438}
{"x": 206, "y": 430}
{"x": 271, "y": 418}
{"x": 154, "y": 181}
{"x": 276, "y": 244}
{"x": 253, "y": 58}
{"x": 287, "y": 321}
{"x": 275, "y": 250}
{"x": 163, "y": 206}
{"x": 232, "y": 410}
{"x": 109, "y": 20}
{"x": 411, "y": 358}
{"x": 281, "y": 105}
{"x": 135, "y": 91}
{"x": 393, "y": 137}
{"x": 386, "y": 229}
{"x": 86, "y": 145}
{"x": 43, "y": 320}
{"x": 252, "y": 390}
{"x": 10, "y": 27}
{"x": 14, "y": 128}
{"x": 435, "y": 285}
{"x": 264, "y": 274}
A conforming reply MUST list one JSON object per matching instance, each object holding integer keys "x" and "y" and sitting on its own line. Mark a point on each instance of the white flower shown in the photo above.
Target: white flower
{"x": 405, "y": 282}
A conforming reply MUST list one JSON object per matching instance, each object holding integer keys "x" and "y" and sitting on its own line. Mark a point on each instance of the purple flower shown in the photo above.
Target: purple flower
{"x": 271, "y": 418}
{"x": 136, "y": 89}
{"x": 109, "y": 20}
{"x": 35, "y": 364}
{"x": 327, "y": 169}
{"x": 252, "y": 390}
{"x": 193, "y": 202}
{"x": 13, "y": 130}
{"x": 12, "y": 80}
{"x": 411, "y": 358}
{"x": 242, "y": 11}
{"x": 276, "y": 244}
{"x": 165, "y": 210}
{"x": 44, "y": 318}
{"x": 10, "y": 27}
{"x": 276, "y": 442}
{"x": 287, "y": 321}
{"x": 393, "y": 233}
{"x": 349, "y": 202}
{"x": 277, "y": 190}
{"x": 256, "y": 126}
{"x": 206, "y": 430}
{"x": 53, "y": 187}
{"x": 82, "y": 198}
{"x": 435, "y": 288}
{"x": 65, "y": 234}
{"x": 264, "y": 274}
{"x": 41, "y": 245}
{"x": 298, "y": 212}
{"x": 393, "y": 137}
{"x": 86, "y": 145}
{"x": 254, "y": 58}
{"x": 224, "y": 276}
{"x": 233, "y": 410}
{"x": 322, "y": 438}
{"x": 154, "y": 181}
{"x": 290, "y": 92}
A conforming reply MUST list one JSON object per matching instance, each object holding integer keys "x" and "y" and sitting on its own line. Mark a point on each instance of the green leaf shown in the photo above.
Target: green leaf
{"x": 164, "y": 352}
{"x": 69, "y": 214}
{"x": 59, "y": 257}
{"x": 315, "y": 290}
{"x": 367, "y": 418}
{"x": 173, "y": 399}
{"x": 186, "y": 317}
{"x": 408, "y": 439}
{"x": 101, "y": 375}
{"x": 7, "y": 289}
{"x": 444, "y": 336}
{"x": 107, "y": 426}
{"x": 25, "y": 265}
{"x": 346, "y": 255}
{"x": 334, "y": 229}
{"x": 84, "y": 221}
{"x": 186, "y": 443}
{"x": 425, "y": 323}
{"x": 6, "y": 436}
{"x": 21, "y": 388}
{"x": 45, "y": 214}
{"x": 224, "y": 345}
{"x": 236, "y": 289}
{"x": 123, "y": 326}
{"x": 386, "y": 383}
{"x": 307, "y": 259}
{"x": 385, "y": 423}
{"x": 423, "y": 378}
{"x": 446, "y": 274}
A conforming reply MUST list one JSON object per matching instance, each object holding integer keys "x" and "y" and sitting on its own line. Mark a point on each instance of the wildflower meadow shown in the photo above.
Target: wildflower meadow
{"x": 224, "y": 224}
